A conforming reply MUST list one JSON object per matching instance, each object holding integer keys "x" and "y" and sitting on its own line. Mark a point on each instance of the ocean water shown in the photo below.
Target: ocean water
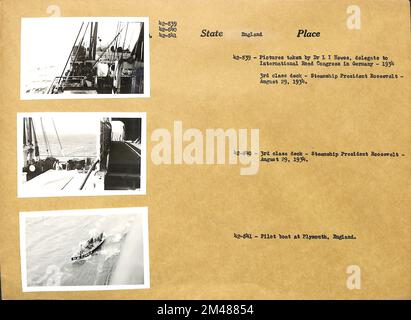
{"x": 51, "y": 241}
{"x": 38, "y": 80}
{"x": 79, "y": 145}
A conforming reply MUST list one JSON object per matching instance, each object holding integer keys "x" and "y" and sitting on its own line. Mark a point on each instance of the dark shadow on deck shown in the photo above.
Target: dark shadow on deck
{"x": 124, "y": 167}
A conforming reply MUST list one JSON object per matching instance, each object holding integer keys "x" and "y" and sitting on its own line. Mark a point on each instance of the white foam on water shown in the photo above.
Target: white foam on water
{"x": 116, "y": 237}
{"x": 109, "y": 252}
{"x": 52, "y": 276}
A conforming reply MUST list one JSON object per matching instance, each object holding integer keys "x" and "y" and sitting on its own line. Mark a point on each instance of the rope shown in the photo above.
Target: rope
{"x": 114, "y": 55}
{"x": 46, "y": 140}
{"x": 68, "y": 59}
{"x": 98, "y": 60}
{"x": 78, "y": 49}
{"x": 58, "y": 138}
{"x": 124, "y": 42}
{"x": 89, "y": 173}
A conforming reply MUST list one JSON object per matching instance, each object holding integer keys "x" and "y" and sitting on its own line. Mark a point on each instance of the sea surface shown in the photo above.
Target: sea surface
{"x": 51, "y": 241}
{"x": 75, "y": 145}
{"x": 38, "y": 80}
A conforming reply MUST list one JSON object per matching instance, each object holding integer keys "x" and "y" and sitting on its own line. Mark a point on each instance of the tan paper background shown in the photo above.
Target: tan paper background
{"x": 194, "y": 210}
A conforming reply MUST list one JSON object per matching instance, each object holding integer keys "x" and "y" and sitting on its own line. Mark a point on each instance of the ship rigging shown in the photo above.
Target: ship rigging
{"x": 116, "y": 68}
{"x": 116, "y": 164}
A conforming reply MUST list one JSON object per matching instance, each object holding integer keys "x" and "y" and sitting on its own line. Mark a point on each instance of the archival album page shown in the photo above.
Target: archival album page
{"x": 205, "y": 149}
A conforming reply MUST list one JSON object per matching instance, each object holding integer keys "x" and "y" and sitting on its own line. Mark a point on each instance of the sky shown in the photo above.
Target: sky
{"x": 69, "y": 124}
{"x": 74, "y": 124}
{"x": 48, "y": 41}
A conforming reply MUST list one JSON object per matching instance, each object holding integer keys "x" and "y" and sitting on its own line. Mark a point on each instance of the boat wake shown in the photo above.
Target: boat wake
{"x": 130, "y": 268}
{"x": 118, "y": 259}
{"x": 92, "y": 270}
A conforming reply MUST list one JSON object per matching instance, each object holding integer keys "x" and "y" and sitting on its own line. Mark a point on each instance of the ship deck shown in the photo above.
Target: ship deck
{"x": 56, "y": 180}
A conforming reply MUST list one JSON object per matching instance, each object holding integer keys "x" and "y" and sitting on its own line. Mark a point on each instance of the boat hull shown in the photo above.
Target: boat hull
{"x": 87, "y": 253}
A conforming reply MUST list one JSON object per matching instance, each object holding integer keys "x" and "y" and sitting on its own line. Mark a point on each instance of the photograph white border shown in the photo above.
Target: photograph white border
{"x": 81, "y": 212}
{"x": 37, "y": 96}
{"x": 80, "y": 193}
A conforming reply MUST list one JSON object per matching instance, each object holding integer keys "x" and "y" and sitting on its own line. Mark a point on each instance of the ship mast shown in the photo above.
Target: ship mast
{"x": 93, "y": 41}
{"x": 31, "y": 152}
{"x": 138, "y": 55}
{"x": 36, "y": 144}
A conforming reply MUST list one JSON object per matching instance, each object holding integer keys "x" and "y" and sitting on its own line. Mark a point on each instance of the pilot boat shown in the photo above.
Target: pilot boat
{"x": 89, "y": 248}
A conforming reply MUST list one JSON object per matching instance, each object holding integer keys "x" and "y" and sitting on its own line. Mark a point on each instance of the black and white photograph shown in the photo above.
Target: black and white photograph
{"x": 75, "y": 250}
{"x": 69, "y": 58}
{"x": 81, "y": 154}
